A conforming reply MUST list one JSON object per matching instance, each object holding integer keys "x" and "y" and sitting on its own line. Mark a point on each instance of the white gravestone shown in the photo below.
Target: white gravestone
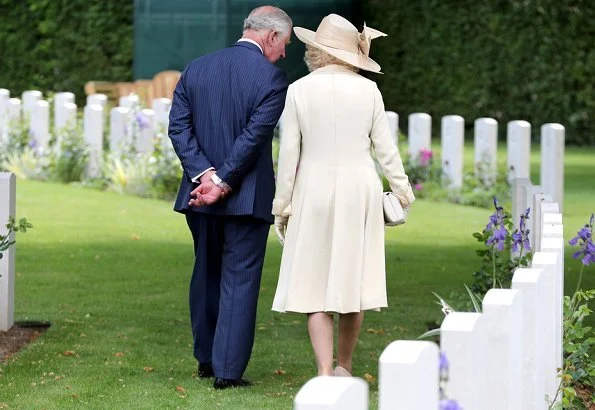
{"x": 161, "y": 106}
{"x": 538, "y": 198}
{"x": 556, "y": 245}
{"x": 98, "y": 99}
{"x": 29, "y": 99}
{"x": 69, "y": 114}
{"x": 146, "y": 122}
{"x": 552, "y": 161}
{"x": 463, "y": 341}
{"x": 119, "y": 129}
{"x": 67, "y": 120}
{"x": 518, "y": 146}
{"x": 486, "y": 148}
{"x": 7, "y": 263}
{"x": 393, "y": 124}
{"x": 129, "y": 101}
{"x": 519, "y": 202}
{"x": 93, "y": 134}
{"x": 503, "y": 310}
{"x": 13, "y": 113}
{"x": 420, "y": 133}
{"x": 60, "y": 113}
{"x": 548, "y": 262}
{"x": 551, "y": 228}
{"x": 405, "y": 370}
{"x": 453, "y": 131}
{"x": 531, "y": 283}
{"x": 4, "y": 97}
{"x": 40, "y": 124}
{"x": 332, "y": 393}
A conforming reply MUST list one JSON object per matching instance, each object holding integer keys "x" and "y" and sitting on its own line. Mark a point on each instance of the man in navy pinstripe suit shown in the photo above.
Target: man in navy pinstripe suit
{"x": 224, "y": 111}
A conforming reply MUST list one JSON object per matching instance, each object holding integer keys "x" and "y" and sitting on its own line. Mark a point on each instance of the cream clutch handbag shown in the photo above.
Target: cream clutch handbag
{"x": 393, "y": 211}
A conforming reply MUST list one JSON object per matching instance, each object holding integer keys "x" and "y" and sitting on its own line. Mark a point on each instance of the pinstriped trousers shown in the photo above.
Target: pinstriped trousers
{"x": 229, "y": 255}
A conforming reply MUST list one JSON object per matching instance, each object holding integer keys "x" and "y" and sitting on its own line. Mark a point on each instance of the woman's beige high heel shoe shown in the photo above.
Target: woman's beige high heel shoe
{"x": 341, "y": 372}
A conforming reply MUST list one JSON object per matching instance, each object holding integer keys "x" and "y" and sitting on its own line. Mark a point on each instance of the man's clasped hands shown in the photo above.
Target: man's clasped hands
{"x": 207, "y": 193}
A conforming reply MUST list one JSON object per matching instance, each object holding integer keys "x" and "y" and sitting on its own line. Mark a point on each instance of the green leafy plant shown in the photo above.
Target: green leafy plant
{"x": 14, "y": 143}
{"x": 477, "y": 190}
{"x": 28, "y": 164}
{"x": 578, "y": 368}
{"x": 69, "y": 158}
{"x": 422, "y": 169}
{"x": 505, "y": 250}
{"x": 167, "y": 171}
{"x": 12, "y": 226}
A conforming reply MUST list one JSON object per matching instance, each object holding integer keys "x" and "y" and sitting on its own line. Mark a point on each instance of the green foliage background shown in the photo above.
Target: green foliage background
{"x": 59, "y": 45}
{"x": 507, "y": 59}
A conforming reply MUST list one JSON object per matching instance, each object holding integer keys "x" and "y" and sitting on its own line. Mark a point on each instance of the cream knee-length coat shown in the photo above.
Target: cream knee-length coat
{"x": 333, "y": 257}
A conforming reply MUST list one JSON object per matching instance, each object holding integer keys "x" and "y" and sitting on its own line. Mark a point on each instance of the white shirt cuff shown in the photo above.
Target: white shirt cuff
{"x": 196, "y": 179}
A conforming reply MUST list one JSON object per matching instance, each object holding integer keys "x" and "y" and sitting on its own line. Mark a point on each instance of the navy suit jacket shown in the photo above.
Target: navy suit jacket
{"x": 224, "y": 110}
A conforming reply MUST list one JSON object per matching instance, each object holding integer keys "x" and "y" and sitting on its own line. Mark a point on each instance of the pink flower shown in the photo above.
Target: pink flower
{"x": 417, "y": 187}
{"x": 425, "y": 155}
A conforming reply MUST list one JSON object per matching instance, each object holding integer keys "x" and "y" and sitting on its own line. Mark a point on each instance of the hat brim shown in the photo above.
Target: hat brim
{"x": 357, "y": 60}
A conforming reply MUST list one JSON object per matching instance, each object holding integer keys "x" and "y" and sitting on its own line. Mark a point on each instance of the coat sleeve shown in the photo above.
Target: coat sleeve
{"x": 248, "y": 145}
{"x": 289, "y": 157}
{"x": 388, "y": 155}
{"x": 182, "y": 134}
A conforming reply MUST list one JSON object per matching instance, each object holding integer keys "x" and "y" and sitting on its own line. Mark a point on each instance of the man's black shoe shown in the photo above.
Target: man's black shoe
{"x": 205, "y": 371}
{"x": 221, "y": 384}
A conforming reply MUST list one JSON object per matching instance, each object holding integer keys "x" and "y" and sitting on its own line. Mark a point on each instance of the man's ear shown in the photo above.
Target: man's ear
{"x": 272, "y": 36}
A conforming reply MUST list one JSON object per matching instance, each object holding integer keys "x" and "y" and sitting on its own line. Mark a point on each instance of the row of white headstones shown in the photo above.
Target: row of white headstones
{"x": 485, "y": 143}
{"x": 505, "y": 357}
{"x": 33, "y": 109}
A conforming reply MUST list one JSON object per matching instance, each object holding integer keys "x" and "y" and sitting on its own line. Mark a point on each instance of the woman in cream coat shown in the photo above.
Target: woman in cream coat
{"x": 328, "y": 202}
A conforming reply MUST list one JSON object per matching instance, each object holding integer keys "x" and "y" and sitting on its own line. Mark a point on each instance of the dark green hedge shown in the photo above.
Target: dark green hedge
{"x": 58, "y": 45}
{"x": 507, "y": 59}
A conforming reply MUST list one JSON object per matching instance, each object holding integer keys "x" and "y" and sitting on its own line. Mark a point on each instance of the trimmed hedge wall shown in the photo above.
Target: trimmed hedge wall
{"x": 59, "y": 45}
{"x": 506, "y": 59}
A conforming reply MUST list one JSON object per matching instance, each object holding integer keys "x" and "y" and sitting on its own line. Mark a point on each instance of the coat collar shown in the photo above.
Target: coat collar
{"x": 249, "y": 45}
{"x": 333, "y": 68}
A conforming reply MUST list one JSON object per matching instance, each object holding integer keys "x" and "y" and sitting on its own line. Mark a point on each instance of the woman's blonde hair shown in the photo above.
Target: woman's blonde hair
{"x": 315, "y": 58}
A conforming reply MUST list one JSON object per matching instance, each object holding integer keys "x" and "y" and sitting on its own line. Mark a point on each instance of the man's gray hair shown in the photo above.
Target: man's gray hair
{"x": 268, "y": 18}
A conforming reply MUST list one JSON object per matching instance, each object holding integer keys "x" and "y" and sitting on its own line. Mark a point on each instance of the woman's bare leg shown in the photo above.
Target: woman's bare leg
{"x": 320, "y": 327}
{"x": 349, "y": 327}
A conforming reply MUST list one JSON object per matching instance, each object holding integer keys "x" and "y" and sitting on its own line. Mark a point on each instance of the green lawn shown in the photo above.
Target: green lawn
{"x": 111, "y": 273}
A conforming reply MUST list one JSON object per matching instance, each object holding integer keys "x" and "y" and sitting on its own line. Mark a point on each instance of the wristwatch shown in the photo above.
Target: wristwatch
{"x": 219, "y": 182}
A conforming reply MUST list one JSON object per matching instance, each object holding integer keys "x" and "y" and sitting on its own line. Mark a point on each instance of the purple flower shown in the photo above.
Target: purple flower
{"x": 448, "y": 404}
{"x": 142, "y": 120}
{"x": 520, "y": 237}
{"x": 584, "y": 234}
{"x": 498, "y": 238}
{"x": 517, "y": 240}
{"x": 32, "y": 143}
{"x": 589, "y": 257}
{"x": 443, "y": 366}
{"x": 497, "y": 217}
{"x": 418, "y": 187}
{"x": 584, "y": 239}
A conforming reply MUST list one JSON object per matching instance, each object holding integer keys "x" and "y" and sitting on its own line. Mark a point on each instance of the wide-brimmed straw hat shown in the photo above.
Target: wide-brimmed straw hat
{"x": 339, "y": 38}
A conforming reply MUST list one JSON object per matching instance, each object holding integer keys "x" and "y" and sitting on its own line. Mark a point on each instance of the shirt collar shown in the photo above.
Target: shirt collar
{"x": 248, "y": 40}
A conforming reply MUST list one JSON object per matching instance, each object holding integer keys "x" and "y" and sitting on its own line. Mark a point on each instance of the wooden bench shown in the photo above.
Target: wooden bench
{"x": 161, "y": 86}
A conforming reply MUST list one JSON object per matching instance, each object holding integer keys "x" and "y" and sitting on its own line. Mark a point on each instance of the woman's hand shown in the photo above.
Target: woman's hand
{"x": 281, "y": 227}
